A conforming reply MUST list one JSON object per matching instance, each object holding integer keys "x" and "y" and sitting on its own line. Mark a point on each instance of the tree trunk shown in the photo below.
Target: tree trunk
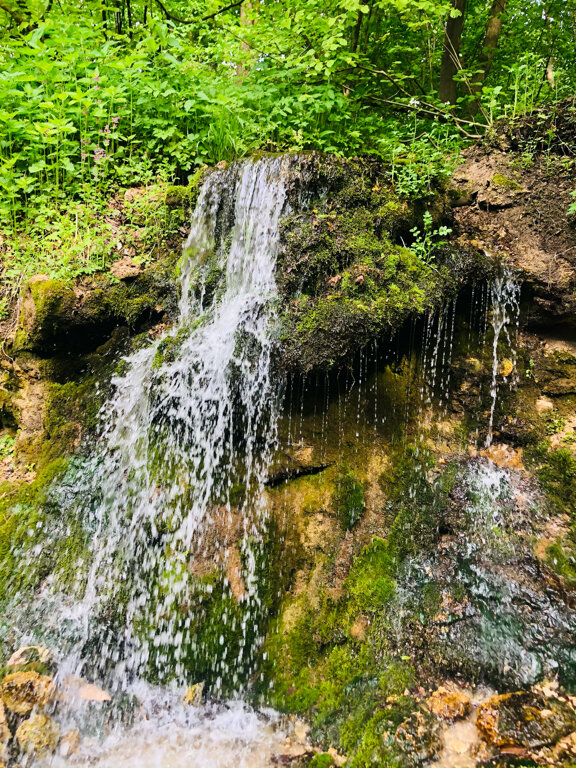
{"x": 447, "y": 88}
{"x": 493, "y": 30}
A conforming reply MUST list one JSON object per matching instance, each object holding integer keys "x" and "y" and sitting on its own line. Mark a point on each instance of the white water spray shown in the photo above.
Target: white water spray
{"x": 175, "y": 503}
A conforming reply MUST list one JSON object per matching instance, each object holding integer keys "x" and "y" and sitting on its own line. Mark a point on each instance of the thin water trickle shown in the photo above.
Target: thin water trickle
{"x": 505, "y": 299}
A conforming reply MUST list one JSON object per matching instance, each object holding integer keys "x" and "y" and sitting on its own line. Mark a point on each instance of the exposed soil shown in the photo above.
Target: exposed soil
{"x": 516, "y": 206}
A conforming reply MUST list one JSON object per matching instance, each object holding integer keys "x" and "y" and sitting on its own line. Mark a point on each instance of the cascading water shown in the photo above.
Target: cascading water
{"x": 172, "y": 499}
{"x": 505, "y": 296}
{"x": 194, "y": 415}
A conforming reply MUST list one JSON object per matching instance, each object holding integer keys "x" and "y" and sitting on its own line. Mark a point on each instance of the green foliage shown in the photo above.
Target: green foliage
{"x": 426, "y": 242}
{"x": 554, "y": 422}
{"x": 6, "y": 446}
{"x": 93, "y": 102}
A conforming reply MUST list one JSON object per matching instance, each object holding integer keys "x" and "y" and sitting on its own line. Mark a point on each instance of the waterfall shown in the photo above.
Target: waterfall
{"x": 172, "y": 497}
{"x": 505, "y": 297}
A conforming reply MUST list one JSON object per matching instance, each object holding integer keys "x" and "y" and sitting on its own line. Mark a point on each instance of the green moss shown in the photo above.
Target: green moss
{"x": 505, "y": 183}
{"x": 323, "y": 760}
{"x": 46, "y": 306}
{"x": 561, "y": 558}
{"x": 345, "y": 274}
{"x": 348, "y": 498}
{"x": 557, "y": 473}
{"x": 371, "y": 581}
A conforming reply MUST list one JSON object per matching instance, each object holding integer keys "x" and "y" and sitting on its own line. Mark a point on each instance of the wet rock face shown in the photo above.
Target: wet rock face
{"x": 520, "y": 213}
{"x": 525, "y": 719}
{"x": 480, "y": 604}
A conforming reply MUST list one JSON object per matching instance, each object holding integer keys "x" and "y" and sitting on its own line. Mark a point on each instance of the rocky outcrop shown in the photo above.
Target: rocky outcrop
{"x": 58, "y": 318}
{"x": 514, "y": 206}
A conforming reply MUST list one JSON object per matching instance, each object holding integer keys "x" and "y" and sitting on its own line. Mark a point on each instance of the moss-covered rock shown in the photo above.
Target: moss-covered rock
{"x": 24, "y": 691}
{"x": 38, "y": 736}
{"x": 357, "y": 262}
{"x": 58, "y": 318}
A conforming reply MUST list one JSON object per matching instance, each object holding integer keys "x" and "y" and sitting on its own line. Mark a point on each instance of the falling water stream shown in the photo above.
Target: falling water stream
{"x": 192, "y": 419}
{"x": 505, "y": 296}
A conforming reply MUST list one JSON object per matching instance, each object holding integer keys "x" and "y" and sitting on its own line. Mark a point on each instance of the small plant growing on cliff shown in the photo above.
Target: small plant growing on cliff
{"x": 425, "y": 242}
{"x": 572, "y": 206}
{"x": 6, "y": 446}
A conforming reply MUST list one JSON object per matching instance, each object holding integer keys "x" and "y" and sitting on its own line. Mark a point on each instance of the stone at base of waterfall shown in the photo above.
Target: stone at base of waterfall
{"x": 194, "y": 695}
{"x": 22, "y": 691}
{"x": 38, "y": 736}
{"x": 450, "y": 704}
{"x": 525, "y": 719}
{"x": 30, "y": 654}
{"x": 419, "y": 736}
{"x": 76, "y": 688}
{"x": 69, "y": 743}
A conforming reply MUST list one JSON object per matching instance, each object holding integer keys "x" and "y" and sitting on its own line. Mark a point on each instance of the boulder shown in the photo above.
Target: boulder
{"x": 38, "y": 736}
{"x": 22, "y": 691}
{"x": 30, "y": 654}
{"x": 47, "y": 305}
{"x": 449, "y": 704}
{"x": 525, "y": 719}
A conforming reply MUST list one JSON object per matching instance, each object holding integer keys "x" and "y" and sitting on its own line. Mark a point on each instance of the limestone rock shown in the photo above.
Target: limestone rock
{"x": 39, "y": 735}
{"x": 22, "y": 691}
{"x": 73, "y": 688}
{"x": 5, "y": 734}
{"x": 69, "y": 743}
{"x": 30, "y": 654}
{"x": 46, "y": 305}
{"x": 544, "y": 404}
{"x": 90, "y": 692}
{"x": 525, "y": 719}
{"x": 449, "y": 704}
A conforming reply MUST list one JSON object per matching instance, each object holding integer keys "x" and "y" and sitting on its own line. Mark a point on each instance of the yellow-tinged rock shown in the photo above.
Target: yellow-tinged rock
{"x": 506, "y": 367}
{"x": 194, "y": 694}
{"x": 449, "y": 704}
{"x": 38, "y": 736}
{"x": 22, "y": 691}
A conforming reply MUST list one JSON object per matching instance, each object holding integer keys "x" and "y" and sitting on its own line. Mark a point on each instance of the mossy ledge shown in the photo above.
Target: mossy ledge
{"x": 358, "y": 260}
